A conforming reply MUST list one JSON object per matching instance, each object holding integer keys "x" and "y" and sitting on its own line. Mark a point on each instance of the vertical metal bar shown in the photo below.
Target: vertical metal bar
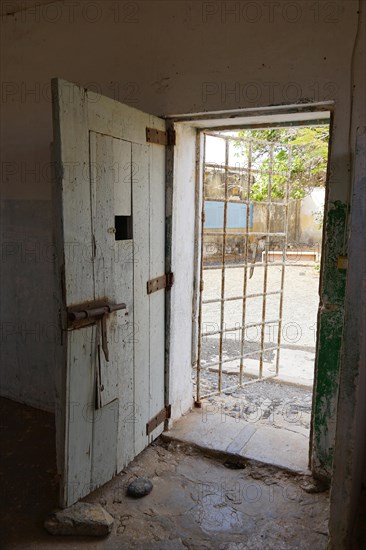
{"x": 245, "y": 274}
{"x": 265, "y": 276}
{"x": 223, "y": 272}
{"x": 284, "y": 257}
{"x": 197, "y": 247}
{"x": 199, "y": 347}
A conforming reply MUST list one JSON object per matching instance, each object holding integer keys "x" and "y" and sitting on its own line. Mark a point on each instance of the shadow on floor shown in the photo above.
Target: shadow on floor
{"x": 29, "y": 482}
{"x": 28, "y": 472}
{"x": 198, "y": 502}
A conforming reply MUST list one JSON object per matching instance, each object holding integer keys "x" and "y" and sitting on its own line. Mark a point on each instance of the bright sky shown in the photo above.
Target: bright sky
{"x": 215, "y": 152}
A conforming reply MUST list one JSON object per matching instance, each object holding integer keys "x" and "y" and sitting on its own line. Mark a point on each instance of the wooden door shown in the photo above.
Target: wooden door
{"x": 109, "y": 197}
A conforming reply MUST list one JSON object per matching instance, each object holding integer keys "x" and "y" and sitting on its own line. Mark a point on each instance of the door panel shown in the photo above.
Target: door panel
{"x": 110, "y": 161}
{"x": 141, "y": 202}
{"x": 105, "y": 434}
{"x": 79, "y": 412}
{"x": 125, "y": 338}
{"x": 110, "y": 195}
{"x": 157, "y": 267}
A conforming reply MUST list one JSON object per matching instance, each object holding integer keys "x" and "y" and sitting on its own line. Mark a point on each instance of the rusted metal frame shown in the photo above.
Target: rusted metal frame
{"x": 240, "y": 327}
{"x": 265, "y": 275}
{"x": 169, "y": 197}
{"x": 242, "y": 201}
{"x": 199, "y": 172}
{"x": 252, "y": 234}
{"x": 284, "y": 258}
{"x": 245, "y": 274}
{"x": 243, "y": 139}
{"x": 321, "y": 121}
{"x": 237, "y": 357}
{"x": 222, "y": 300}
{"x": 271, "y": 125}
{"x": 231, "y": 168}
{"x": 270, "y": 264}
{"x": 229, "y": 388}
{"x": 291, "y": 264}
{"x": 223, "y": 273}
{"x": 198, "y": 244}
{"x": 199, "y": 346}
{"x": 234, "y": 298}
{"x": 238, "y": 266}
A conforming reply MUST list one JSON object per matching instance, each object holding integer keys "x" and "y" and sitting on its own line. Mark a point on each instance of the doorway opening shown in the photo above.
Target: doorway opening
{"x": 260, "y": 239}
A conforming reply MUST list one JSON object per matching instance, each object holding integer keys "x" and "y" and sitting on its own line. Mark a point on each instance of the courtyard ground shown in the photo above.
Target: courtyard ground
{"x": 298, "y": 332}
{"x": 272, "y": 417}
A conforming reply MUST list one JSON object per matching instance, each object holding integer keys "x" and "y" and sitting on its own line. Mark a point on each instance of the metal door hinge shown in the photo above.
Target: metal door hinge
{"x": 164, "y": 281}
{"x": 163, "y": 415}
{"x": 160, "y": 137}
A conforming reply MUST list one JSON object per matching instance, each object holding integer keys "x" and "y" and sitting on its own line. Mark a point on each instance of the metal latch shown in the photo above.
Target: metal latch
{"x": 164, "y": 414}
{"x": 94, "y": 313}
{"x": 259, "y": 242}
{"x": 164, "y": 281}
{"x": 160, "y": 137}
{"x": 342, "y": 262}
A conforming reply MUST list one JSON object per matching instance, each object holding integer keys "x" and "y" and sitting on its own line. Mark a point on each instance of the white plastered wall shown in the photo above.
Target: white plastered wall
{"x": 161, "y": 57}
{"x": 183, "y": 238}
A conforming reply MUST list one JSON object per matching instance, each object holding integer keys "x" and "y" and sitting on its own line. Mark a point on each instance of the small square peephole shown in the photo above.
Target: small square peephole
{"x": 123, "y": 226}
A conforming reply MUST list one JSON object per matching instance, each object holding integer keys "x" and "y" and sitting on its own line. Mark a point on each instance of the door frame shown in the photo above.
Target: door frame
{"x": 193, "y": 125}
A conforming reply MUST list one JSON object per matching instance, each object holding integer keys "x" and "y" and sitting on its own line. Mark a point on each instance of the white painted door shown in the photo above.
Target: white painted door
{"x": 110, "y": 233}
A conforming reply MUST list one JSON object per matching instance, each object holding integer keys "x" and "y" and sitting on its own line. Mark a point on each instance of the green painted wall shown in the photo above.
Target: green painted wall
{"x": 330, "y": 327}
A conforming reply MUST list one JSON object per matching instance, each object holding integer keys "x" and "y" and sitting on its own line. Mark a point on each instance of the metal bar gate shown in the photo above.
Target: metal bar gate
{"x": 225, "y": 185}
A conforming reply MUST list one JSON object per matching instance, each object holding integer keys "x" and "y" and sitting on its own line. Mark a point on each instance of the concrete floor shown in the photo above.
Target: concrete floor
{"x": 271, "y": 421}
{"x": 199, "y": 503}
{"x": 210, "y": 429}
{"x": 200, "y": 500}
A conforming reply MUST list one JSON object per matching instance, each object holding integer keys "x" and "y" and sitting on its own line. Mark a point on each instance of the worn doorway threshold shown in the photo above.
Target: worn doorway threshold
{"x": 218, "y": 433}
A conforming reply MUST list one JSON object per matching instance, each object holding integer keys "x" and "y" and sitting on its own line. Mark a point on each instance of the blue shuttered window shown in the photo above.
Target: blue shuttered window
{"x": 236, "y": 215}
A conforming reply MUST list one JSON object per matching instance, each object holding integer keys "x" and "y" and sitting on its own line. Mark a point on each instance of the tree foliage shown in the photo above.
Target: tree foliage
{"x": 296, "y": 154}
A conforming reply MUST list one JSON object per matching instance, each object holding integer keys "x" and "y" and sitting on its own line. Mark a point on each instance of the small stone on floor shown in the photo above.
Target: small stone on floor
{"x": 140, "y": 487}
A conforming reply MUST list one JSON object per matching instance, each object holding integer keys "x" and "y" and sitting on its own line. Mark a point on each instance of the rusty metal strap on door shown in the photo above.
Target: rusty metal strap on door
{"x": 164, "y": 281}
{"x": 164, "y": 414}
{"x": 160, "y": 137}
